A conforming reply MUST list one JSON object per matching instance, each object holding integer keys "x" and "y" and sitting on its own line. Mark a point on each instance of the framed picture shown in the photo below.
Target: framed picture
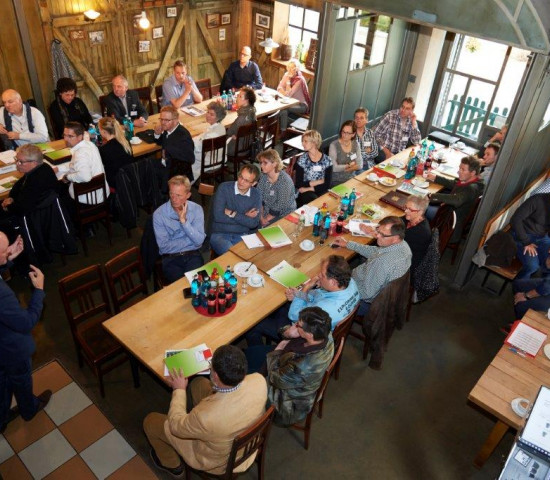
{"x": 260, "y": 34}
{"x": 212, "y": 20}
{"x": 76, "y": 34}
{"x": 97, "y": 38}
{"x": 144, "y": 46}
{"x": 158, "y": 32}
{"x": 226, "y": 19}
{"x": 262, "y": 20}
{"x": 171, "y": 12}
{"x": 221, "y": 34}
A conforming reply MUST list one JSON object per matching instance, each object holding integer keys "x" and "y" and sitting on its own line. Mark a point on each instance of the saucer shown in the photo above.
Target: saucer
{"x": 547, "y": 350}
{"x": 255, "y": 285}
{"x": 305, "y": 248}
{"x": 284, "y": 100}
{"x": 388, "y": 181}
{"x": 241, "y": 269}
{"x": 135, "y": 141}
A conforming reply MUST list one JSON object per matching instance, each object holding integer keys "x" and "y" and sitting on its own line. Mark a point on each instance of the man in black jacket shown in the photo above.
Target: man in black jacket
{"x": 121, "y": 102}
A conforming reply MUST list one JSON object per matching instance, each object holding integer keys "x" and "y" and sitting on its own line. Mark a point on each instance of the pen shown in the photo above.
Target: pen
{"x": 517, "y": 352}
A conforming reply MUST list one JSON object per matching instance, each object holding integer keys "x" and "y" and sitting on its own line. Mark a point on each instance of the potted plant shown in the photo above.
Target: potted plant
{"x": 285, "y": 49}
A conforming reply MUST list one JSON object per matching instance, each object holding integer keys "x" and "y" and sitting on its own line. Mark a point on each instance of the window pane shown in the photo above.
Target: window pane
{"x": 311, "y": 20}
{"x": 306, "y": 39}
{"x": 477, "y": 101}
{"x": 450, "y": 97}
{"x": 361, "y": 31}
{"x": 357, "y": 57}
{"x": 342, "y": 12}
{"x": 378, "y": 47}
{"x": 351, "y": 12}
{"x": 477, "y": 57}
{"x": 294, "y": 36}
{"x": 296, "y": 16}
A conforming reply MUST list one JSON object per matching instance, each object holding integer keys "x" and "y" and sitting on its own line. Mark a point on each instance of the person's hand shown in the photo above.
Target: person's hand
{"x": 15, "y": 248}
{"x": 292, "y": 332}
{"x": 6, "y": 202}
{"x": 290, "y": 293}
{"x": 37, "y": 277}
{"x": 157, "y": 129}
{"x": 13, "y": 135}
{"x": 497, "y": 137}
{"x": 3, "y": 130}
{"x": 314, "y": 282}
{"x": 367, "y": 229}
{"x": 530, "y": 250}
{"x": 177, "y": 379}
{"x": 340, "y": 241}
{"x": 305, "y": 189}
{"x": 431, "y": 176}
{"x": 282, "y": 344}
{"x": 387, "y": 152}
{"x": 519, "y": 297}
{"x": 252, "y": 213}
{"x": 264, "y": 221}
{"x": 140, "y": 122}
{"x": 413, "y": 119}
{"x": 182, "y": 213}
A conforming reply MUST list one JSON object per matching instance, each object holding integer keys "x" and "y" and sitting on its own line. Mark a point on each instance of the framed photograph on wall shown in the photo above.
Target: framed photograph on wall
{"x": 158, "y": 32}
{"x": 171, "y": 12}
{"x": 144, "y": 46}
{"x": 226, "y": 19}
{"x": 76, "y": 34}
{"x": 263, "y": 20}
{"x": 221, "y": 34}
{"x": 260, "y": 34}
{"x": 212, "y": 20}
{"x": 97, "y": 37}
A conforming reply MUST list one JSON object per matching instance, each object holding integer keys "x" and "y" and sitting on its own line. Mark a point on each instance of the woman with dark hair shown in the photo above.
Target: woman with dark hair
{"x": 345, "y": 154}
{"x": 67, "y": 107}
{"x": 246, "y": 114}
{"x": 115, "y": 151}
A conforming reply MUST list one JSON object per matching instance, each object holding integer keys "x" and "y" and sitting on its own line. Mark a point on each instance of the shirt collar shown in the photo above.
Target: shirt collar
{"x": 225, "y": 390}
{"x": 78, "y": 146}
{"x": 168, "y": 133}
{"x": 247, "y": 194}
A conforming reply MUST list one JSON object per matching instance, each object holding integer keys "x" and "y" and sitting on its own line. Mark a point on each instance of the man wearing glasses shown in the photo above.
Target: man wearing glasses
{"x": 241, "y": 73}
{"x": 235, "y": 210}
{"x": 386, "y": 262}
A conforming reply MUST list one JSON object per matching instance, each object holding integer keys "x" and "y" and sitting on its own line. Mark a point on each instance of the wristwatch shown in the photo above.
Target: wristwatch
{"x": 232, "y": 214}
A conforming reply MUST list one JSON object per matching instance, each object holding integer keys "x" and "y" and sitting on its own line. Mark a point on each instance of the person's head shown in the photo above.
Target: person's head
{"x": 12, "y": 101}
{"x": 335, "y": 273}
{"x": 180, "y": 71}
{"x": 293, "y": 66}
{"x": 270, "y": 161}
{"x": 229, "y": 365}
{"x": 415, "y": 207}
{"x": 313, "y": 323}
{"x": 407, "y": 107}
{"x": 246, "y": 96}
{"x": 311, "y": 138}
{"x": 244, "y": 56}
{"x": 4, "y": 244}
{"x": 390, "y": 230}
{"x": 109, "y": 128}
{"x": 468, "y": 169}
{"x": 248, "y": 177}
{"x": 66, "y": 89}
{"x": 179, "y": 189}
{"x": 73, "y": 133}
{"x": 28, "y": 157}
{"x": 169, "y": 118}
{"x": 361, "y": 117}
{"x": 347, "y": 130}
{"x": 215, "y": 113}
{"x": 120, "y": 86}
{"x": 490, "y": 154}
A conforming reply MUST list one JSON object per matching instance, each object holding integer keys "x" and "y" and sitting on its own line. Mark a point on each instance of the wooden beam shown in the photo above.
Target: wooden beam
{"x": 221, "y": 56}
{"x": 193, "y": 38}
{"x": 143, "y": 68}
{"x": 210, "y": 45}
{"x": 75, "y": 60}
{"x": 79, "y": 20}
{"x": 187, "y": 42}
{"x": 167, "y": 59}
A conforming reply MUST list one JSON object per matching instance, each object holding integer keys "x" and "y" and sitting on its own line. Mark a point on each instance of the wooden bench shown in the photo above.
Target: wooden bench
{"x": 501, "y": 221}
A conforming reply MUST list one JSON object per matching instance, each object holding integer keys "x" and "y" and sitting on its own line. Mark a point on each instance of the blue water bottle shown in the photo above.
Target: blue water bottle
{"x": 352, "y": 198}
{"x": 317, "y": 223}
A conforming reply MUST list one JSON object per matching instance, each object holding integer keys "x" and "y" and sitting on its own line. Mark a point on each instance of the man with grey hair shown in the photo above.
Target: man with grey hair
{"x": 19, "y": 122}
{"x": 241, "y": 73}
{"x": 122, "y": 102}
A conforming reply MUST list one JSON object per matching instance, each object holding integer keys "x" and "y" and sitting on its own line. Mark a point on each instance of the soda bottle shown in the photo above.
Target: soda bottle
{"x": 340, "y": 223}
{"x": 227, "y": 274}
{"x": 224, "y": 99}
{"x": 211, "y": 302}
{"x": 332, "y": 227}
{"x": 344, "y": 205}
{"x": 92, "y": 133}
{"x": 228, "y": 294}
{"x": 196, "y": 300}
{"x": 205, "y": 286}
{"x": 428, "y": 164}
{"x": 221, "y": 299}
{"x": 195, "y": 284}
{"x": 411, "y": 168}
{"x": 301, "y": 223}
{"x": 317, "y": 223}
{"x": 352, "y": 199}
{"x": 324, "y": 210}
{"x": 325, "y": 227}
{"x": 126, "y": 124}
{"x": 420, "y": 169}
{"x": 233, "y": 283}
{"x": 229, "y": 101}
{"x": 214, "y": 278}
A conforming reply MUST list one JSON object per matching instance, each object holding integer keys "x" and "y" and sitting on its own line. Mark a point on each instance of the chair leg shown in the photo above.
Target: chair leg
{"x": 99, "y": 375}
{"x": 454, "y": 248}
{"x": 307, "y": 430}
{"x": 83, "y": 239}
{"x": 134, "y": 365}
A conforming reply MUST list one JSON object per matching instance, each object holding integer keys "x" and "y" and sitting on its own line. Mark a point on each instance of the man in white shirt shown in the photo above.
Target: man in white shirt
{"x": 21, "y": 123}
{"x": 85, "y": 162}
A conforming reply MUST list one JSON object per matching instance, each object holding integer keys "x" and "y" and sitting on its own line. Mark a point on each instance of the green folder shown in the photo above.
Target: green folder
{"x": 191, "y": 360}
{"x": 287, "y": 275}
{"x": 340, "y": 190}
{"x": 275, "y": 236}
{"x": 45, "y": 147}
{"x": 59, "y": 156}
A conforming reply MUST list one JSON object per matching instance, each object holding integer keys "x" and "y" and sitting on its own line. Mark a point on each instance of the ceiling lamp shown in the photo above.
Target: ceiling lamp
{"x": 269, "y": 45}
{"x": 91, "y": 15}
{"x": 142, "y": 21}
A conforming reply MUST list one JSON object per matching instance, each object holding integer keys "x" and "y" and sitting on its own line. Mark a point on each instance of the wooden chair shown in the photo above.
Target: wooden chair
{"x": 341, "y": 331}
{"x": 87, "y": 306}
{"x": 144, "y": 94}
{"x": 213, "y": 158}
{"x": 252, "y": 440}
{"x": 93, "y": 210}
{"x": 205, "y": 190}
{"x": 102, "y": 105}
{"x": 246, "y": 135}
{"x": 268, "y": 127}
{"x": 319, "y": 397}
{"x": 291, "y": 166}
{"x": 445, "y": 222}
{"x": 125, "y": 278}
{"x": 465, "y": 230}
{"x": 158, "y": 95}
{"x": 205, "y": 87}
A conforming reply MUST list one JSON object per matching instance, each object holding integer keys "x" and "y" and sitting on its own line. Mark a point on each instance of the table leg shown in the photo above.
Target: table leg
{"x": 134, "y": 364}
{"x": 491, "y": 443}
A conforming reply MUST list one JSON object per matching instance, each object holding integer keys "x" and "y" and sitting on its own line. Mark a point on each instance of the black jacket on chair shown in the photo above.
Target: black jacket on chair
{"x": 179, "y": 151}
{"x": 115, "y": 107}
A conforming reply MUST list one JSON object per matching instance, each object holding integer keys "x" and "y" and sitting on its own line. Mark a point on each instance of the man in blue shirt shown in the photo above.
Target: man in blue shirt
{"x": 332, "y": 289}
{"x": 242, "y": 72}
{"x": 180, "y": 90}
{"x": 179, "y": 230}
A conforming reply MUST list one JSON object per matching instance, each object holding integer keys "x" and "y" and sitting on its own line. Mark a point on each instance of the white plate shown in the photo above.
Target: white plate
{"x": 261, "y": 284}
{"x": 306, "y": 249}
{"x": 397, "y": 164}
{"x": 421, "y": 183}
{"x": 547, "y": 350}
{"x": 387, "y": 181}
{"x": 135, "y": 142}
{"x": 373, "y": 180}
{"x": 284, "y": 100}
{"x": 240, "y": 268}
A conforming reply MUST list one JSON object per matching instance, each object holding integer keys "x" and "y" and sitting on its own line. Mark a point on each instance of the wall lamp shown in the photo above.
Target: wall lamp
{"x": 269, "y": 44}
{"x": 142, "y": 21}
{"x": 91, "y": 15}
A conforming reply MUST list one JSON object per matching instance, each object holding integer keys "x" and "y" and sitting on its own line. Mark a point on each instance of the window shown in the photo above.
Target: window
{"x": 303, "y": 25}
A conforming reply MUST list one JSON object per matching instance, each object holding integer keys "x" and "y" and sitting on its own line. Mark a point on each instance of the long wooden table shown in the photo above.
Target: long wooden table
{"x": 510, "y": 376}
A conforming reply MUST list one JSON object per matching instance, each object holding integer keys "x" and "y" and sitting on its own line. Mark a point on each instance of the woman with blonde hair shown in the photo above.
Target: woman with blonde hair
{"x": 294, "y": 85}
{"x": 115, "y": 151}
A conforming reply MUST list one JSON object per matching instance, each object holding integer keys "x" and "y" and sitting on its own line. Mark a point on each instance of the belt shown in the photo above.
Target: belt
{"x": 180, "y": 254}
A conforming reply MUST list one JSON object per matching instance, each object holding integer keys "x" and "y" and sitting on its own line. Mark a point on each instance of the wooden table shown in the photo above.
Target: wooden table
{"x": 510, "y": 376}
{"x": 165, "y": 320}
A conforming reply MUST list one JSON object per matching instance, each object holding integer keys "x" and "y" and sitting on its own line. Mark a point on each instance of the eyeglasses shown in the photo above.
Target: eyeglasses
{"x": 347, "y": 133}
{"x": 21, "y": 162}
{"x": 243, "y": 54}
{"x": 166, "y": 119}
{"x": 413, "y": 210}
{"x": 69, "y": 136}
{"x": 245, "y": 179}
{"x": 385, "y": 235}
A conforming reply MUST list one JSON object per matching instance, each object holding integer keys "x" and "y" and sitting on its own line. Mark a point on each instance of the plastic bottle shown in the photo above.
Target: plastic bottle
{"x": 228, "y": 294}
{"x": 195, "y": 285}
{"x": 325, "y": 227}
{"x": 214, "y": 278}
{"x": 332, "y": 227}
{"x": 317, "y": 223}
{"x": 128, "y": 127}
{"x": 227, "y": 274}
{"x": 340, "y": 223}
{"x": 411, "y": 168}
{"x": 301, "y": 222}
{"x": 420, "y": 169}
{"x": 233, "y": 282}
{"x": 92, "y": 133}
{"x": 205, "y": 286}
{"x": 352, "y": 199}
{"x": 211, "y": 302}
{"x": 224, "y": 99}
{"x": 221, "y": 299}
{"x": 229, "y": 102}
{"x": 324, "y": 210}
{"x": 344, "y": 205}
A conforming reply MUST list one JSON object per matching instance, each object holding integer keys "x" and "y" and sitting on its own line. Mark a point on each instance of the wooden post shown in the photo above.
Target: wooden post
{"x": 210, "y": 45}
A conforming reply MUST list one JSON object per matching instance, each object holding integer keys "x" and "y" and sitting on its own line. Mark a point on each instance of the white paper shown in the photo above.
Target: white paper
{"x": 537, "y": 428}
{"x": 527, "y": 339}
{"x": 309, "y": 213}
{"x": 353, "y": 227}
{"x": 7, "y": 157}
{"x": 6, "y": 181}
{"x": 252, "y": 241}
{"x": 300, "y": 124}
{"x": 193, "y": 111}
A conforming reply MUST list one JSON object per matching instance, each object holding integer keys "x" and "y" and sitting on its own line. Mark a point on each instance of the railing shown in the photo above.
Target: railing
{"x": 472, "y": 117}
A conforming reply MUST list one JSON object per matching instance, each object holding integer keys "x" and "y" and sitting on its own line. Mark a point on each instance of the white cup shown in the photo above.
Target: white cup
{"x": 373, "y": 177}
{"x": 256, "y": 280}
{"x": 307, "y": 244}
{"x": 135, "y": 140}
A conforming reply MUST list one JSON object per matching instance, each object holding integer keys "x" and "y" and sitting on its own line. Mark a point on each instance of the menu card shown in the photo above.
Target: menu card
{"x": 287, "y": 275}
{"x": 190, "y": 360}
{"x": 525, "y": 338}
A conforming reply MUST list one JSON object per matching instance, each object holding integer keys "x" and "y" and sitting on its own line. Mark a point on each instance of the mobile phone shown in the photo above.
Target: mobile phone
{"x": 187, "y": 292}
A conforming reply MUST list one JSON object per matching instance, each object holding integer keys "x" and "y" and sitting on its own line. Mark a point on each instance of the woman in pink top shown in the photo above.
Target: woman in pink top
{"x": 294, "y": 85}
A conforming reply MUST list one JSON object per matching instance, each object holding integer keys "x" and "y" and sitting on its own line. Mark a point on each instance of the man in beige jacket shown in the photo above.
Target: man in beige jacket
{"x": 222, "y": 408}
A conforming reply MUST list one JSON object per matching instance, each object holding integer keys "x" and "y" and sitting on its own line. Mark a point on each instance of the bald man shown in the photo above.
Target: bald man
{"x": 121, "y": 102}
{"x": 241, "y": 73}
{"x": 19, "y": 122}
{"x": 16, "y": 342}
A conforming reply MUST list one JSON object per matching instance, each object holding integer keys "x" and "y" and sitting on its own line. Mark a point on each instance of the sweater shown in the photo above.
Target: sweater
{"x": 226, "y": 198}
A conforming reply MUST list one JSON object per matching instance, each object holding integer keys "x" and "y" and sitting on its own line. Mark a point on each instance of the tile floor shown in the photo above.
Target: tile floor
{"x": 70, "y": 438}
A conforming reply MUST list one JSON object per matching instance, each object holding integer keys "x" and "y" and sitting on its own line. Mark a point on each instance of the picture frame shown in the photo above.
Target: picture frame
{"x": 76, "y": 35}
{"x": 260, "y": 34}
{"x": 212, "y": 20}
{"x": 263, "y": 20}
{"x": 144, "y": 46}
{"x": 225, "y": 18}
{"x": 158, "y": 32}
{"x": 221, "y": 34}
{"x": 171, "y": 12}
{"x": 97, "y": 37}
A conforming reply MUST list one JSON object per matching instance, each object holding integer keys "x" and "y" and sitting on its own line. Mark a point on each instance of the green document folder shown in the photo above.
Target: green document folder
{"x": 287, "y": 275}
{"x": 191, "y": 360}
{"x": 275, "y": 236}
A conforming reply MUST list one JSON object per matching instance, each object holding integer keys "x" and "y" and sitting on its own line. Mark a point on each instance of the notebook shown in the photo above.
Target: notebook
{"x": 395, "y": 199}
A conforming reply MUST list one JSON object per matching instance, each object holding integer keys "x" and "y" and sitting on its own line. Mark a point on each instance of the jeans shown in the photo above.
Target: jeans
{"x": 268, "y": 327}
{"x": 293, "y": 113}
{"x": 174, "y": 268}
{"x": 256, "y": 358}
{"x": 431, "y": 211}
{"x": 539, "y": 304}
{"x": 532, "y": 264}
{"x": 17, "y": 380}
{"x": 363, "y": 309}
{"x": 222, "y": 242}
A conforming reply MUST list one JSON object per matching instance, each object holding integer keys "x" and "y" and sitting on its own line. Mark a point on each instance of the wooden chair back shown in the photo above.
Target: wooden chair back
{"x": 205, "y": 87}
{"x": 213, "y": 157}
{"x": 341, "y": 331}
{"x": 144, "y": 94}
{"x": 245, "y": 138}
{"x": 158, "y": 96}
{"x": 102, "y": 105}
{"x": 445, "y": 222}
{"x": 125, "y": 278}
{"x": 268, "y": 128}
{"x": 291, "y": 166}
